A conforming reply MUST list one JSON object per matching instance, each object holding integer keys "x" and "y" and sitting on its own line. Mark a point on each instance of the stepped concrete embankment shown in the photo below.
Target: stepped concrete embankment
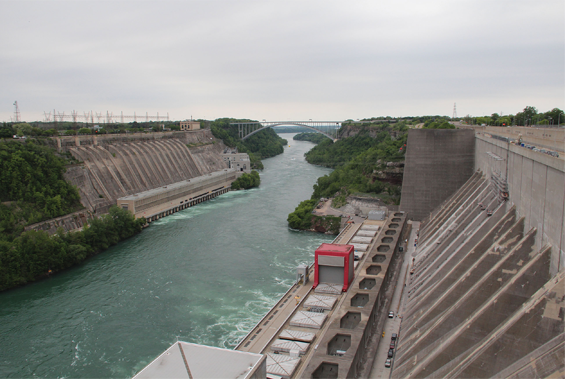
{"x": 486, "y": 292}
{"x": 113, "y": 166}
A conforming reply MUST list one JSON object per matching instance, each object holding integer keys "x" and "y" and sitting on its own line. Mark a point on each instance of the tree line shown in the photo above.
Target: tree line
{"x": 32, "y": 189}
{"x": 527, "y": 117}
{"x": 34, "y": 255}
{"x": 43, "y": 129}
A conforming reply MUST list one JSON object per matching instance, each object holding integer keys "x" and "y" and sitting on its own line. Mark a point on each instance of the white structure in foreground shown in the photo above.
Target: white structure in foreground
{"x": 188, "y": 360}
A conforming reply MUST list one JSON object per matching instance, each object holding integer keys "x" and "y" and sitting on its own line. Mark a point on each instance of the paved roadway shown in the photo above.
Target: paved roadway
{"x": 397, "y": 306}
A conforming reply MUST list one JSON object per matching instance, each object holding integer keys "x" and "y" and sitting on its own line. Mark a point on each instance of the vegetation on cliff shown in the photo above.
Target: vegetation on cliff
{"x": 311, "y": 137}
{"x": 303, "y": 219}
{"x": 247, "y": 181}
{"x": 34, "y": 254}
{"x": 363, "y": 164}
{"x": 263, "y": 144}
{"x": 32, "y": 189}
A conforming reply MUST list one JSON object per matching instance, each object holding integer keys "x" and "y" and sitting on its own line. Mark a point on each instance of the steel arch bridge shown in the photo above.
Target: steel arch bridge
{"x": 327, "y": 128}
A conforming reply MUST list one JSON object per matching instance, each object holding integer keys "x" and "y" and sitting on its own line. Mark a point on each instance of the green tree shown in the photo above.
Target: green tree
{"x": 246, "y": 181}
{"x": 6, "y": 131}
{"x": 22, "y": 129}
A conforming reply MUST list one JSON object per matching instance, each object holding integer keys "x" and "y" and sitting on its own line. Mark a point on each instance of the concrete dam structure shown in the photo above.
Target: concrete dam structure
{"x": 116, "y": 166}
{"x": 481, "y": 295}
{"x": 486, "y": 295}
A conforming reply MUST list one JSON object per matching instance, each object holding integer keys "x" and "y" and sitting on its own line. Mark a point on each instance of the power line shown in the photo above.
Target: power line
{"x": 109, "y": 118}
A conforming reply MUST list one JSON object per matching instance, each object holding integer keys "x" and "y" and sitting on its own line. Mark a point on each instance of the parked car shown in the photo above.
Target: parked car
{"x": 392, "y": 344}
{"x": 391, "y": 314}
{"x": 394, "y": 337}
{"x": 390, "y": 353}
{"x": 388, "y": 362}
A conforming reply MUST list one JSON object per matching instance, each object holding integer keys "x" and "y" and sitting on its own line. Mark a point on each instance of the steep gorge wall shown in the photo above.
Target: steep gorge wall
{"x": 114, "y": 166}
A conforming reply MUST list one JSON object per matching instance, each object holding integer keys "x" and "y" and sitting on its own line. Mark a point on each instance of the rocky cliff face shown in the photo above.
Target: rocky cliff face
{"x": 390, "y": 172}
{"x": 354, "y": 129}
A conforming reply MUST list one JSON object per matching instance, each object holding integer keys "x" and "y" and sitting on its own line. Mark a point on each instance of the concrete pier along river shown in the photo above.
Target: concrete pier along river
{"x": 205, "y": 275}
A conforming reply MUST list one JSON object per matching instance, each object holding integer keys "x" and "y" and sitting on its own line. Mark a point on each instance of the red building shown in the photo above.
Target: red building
{"x": 334, "y": 264}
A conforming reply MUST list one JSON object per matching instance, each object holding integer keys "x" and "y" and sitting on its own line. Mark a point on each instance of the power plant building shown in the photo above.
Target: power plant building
{"x": 159, "y": 202}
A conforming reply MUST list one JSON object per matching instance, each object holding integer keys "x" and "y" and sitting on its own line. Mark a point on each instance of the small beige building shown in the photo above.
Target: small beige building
{"x": 189, "y": 125}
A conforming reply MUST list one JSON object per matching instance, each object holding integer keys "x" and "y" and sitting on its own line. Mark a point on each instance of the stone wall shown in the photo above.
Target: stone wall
{"x": 73, "y": 221}
{"x": 438, "y": 162}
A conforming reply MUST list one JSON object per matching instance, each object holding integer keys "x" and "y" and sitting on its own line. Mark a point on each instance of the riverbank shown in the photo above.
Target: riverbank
{"x": 205, "y": 274}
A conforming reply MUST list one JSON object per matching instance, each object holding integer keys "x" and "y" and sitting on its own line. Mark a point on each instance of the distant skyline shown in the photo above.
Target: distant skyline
{"x": 281, "y": 60}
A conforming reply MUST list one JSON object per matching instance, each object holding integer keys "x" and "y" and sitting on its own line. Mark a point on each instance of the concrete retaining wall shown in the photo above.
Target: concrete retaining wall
{"x": 196, "y": 137}
{"x": 114, "y": 166}
{"x": 438, "y": 162}
{"x": 550, "y": 138}
{"x": 536, "y": 184}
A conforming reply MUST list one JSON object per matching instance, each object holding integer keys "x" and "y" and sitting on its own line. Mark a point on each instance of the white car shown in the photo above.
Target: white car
{"x": 388, "y": 362}
{"x": 391, "y": 314}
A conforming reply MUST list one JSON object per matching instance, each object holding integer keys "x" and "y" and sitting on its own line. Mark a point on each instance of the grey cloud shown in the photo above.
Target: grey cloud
{"x": 275, "y": 59}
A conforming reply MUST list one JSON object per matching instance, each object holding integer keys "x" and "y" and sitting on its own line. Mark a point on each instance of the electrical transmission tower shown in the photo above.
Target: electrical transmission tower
{"x": 109, "y": 118}
{"x": 16, "y": 112}
{"x": 454, "y": 111}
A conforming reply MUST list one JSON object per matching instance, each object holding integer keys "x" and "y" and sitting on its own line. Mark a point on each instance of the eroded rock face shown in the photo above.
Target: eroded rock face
{"x": 392, "y": 175}
{"x": 362, "y": 205}
{"x": 323, "y": 225}
{"x": 353, "y": 130}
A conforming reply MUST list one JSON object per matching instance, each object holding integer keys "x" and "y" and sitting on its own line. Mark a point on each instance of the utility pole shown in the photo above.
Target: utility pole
{"x": 454, "y": 111}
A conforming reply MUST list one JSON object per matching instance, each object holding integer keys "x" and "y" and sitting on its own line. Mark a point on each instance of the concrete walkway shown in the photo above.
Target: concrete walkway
{"x": 398, "y": 303}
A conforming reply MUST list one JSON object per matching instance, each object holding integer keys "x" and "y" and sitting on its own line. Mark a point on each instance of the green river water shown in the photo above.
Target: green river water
{"x": 204, "y": 275}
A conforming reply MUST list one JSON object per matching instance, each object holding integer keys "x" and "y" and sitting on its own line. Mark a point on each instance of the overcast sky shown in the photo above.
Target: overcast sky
{"x": 281, "y": 60}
